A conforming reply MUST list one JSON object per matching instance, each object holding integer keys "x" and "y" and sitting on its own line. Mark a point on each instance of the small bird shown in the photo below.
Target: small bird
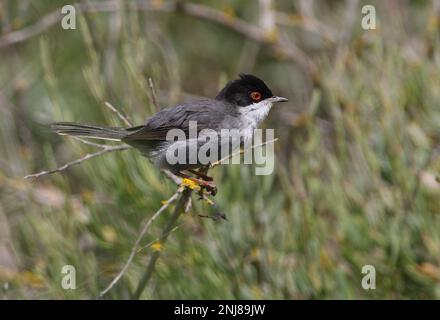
{"x": 241, "y": 105}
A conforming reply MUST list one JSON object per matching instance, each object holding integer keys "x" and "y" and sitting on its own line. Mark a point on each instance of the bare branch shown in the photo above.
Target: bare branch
{"x": 153, "y": 94}
{"x": 79, "y": 161}
{"x": 119, "y": 114}
{"x": 135, "y": 247}
{"x": 180, "y": 208}
{"x": 90, "y": 143}
{"x": 149, "y": 244}
{"x": 33, "y": 30}
{"x": 241, "y": 151}
{"x": 177, "y": 180}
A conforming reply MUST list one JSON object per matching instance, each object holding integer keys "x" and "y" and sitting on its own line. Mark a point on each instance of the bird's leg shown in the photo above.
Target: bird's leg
{"x": 201, "y": 175}
{"x": 203, "y": 171}
{"x": 208, "y": 185}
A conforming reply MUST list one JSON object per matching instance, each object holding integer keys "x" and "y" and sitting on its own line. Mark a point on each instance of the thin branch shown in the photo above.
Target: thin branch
{"x": 188, "y": 206}
{"x": 79, "y": 161}
{"x": 180, "y": 208}
{"x": 241, "y": 151}
{"x": 177, "y": 180}
{"x": 149, "y": 244}
{"x": 135, "y": 247}
{"x": 33, "y": 30}
{"x": 119, "y": 114}
{"x": 90, "y": 143}
{"x": 153, "y": 94}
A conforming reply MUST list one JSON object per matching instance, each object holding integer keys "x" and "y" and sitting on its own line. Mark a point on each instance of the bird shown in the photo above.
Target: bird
{"x": 241, "y": 105}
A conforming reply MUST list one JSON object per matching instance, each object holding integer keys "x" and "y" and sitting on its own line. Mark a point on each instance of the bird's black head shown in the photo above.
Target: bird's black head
{"x": 245, "y": 91}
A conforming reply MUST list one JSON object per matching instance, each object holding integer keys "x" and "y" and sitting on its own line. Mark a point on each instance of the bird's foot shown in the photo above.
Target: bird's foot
{"x": 209, "y": 186}
{"x": 201, "y": 175}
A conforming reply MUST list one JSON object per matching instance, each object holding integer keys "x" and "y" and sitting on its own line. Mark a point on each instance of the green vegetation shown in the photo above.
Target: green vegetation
{"x": 356, "y": 160}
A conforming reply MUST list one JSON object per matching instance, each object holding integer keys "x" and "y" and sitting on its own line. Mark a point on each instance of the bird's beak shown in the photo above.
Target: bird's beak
{"x": 278, "y": 99}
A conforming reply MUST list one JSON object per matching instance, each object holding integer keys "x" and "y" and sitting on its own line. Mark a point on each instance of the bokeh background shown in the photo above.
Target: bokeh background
{"x": 356, "y": 161}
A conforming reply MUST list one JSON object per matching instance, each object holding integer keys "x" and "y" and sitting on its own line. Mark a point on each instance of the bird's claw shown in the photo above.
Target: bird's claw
{"x": 210, "y": 188}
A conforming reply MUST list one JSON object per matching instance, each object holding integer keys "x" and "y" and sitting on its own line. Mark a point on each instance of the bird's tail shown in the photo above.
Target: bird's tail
{"x": 87, "y": 131}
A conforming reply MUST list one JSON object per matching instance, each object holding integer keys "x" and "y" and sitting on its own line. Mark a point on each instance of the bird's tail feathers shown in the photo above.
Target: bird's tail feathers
{"x": 88, "y": 131}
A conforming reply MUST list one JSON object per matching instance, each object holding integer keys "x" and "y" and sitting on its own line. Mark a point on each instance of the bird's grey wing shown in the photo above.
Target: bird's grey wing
{"x": 208, "y": 114}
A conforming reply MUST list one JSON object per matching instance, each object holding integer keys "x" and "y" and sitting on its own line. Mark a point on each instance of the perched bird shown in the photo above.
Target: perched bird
{"x": 241, "y": 106}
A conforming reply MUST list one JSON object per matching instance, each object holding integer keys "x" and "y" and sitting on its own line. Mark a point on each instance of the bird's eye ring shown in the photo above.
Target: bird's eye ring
{"x": 255, "y": 96}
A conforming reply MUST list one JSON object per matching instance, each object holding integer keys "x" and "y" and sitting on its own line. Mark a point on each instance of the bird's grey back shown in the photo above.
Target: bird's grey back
{"x": 209, "y": 114}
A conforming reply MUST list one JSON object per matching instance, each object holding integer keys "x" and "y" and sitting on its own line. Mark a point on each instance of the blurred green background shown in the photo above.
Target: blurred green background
{"x": 356, "y": 161}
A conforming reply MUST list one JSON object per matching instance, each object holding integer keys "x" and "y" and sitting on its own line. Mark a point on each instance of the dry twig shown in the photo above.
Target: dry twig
{"x": 89, "y": 143}
{"x": 153, "y": 94}
{"x": 135, "y": 247}
{"x": 88, "y": 156}
{"x": 241, "y": 151}
{"x": 180, "y": 208}
{"x": 119, "y": 114}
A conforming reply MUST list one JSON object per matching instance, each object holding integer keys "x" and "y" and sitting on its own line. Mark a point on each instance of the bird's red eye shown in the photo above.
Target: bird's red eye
{"x": 256, "y": 96}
